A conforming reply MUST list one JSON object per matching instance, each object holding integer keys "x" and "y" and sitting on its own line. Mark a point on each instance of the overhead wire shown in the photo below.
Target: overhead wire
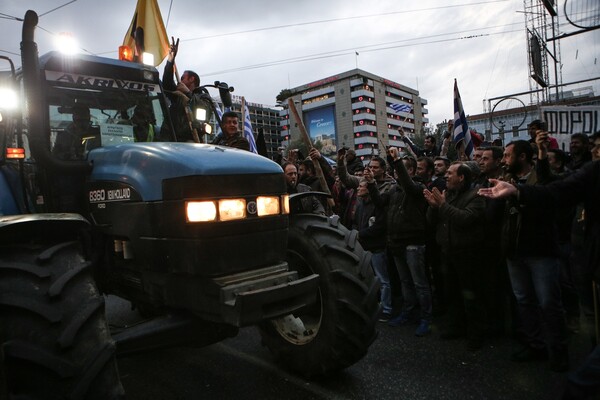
{"x": 387, "y": 13}
{"x": 169, "y": 14}
{"x": 7, "y": 16}
{"x": 56, "y": 8}
{"x": 363, "y": 49}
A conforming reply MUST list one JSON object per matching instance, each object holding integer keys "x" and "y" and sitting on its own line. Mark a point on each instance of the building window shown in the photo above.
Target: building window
{"x": 362, "y": 98}
{"x": 365, "y": 134}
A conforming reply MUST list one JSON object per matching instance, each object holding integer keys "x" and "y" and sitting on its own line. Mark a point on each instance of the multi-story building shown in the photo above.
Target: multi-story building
{"x": 352, "y": 109}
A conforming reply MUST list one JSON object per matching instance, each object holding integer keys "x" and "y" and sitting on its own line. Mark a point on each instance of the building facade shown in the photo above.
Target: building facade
{"x": 353, "y": 109}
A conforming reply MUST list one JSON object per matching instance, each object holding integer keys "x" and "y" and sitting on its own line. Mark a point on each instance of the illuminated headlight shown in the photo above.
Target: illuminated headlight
{"x": 201, "y": 211}
{"x": 267, "y": 205}
{"x": 200, "y": 114}
{"x": 8, "y": 99}
{"x": 66, "y": 43}
{"x": 285, "y": 203}
{"x": 232, "y": 209}
{"x": 148, "y": 58}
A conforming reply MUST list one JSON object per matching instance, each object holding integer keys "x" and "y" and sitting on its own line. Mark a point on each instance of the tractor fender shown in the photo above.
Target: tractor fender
{"x": 15, "y": 228}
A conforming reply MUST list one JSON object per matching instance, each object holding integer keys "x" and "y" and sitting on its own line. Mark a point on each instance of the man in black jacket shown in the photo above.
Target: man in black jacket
{"x": 457, "y": 215}
{"x": 308, "y": 176}
{"x": 179, "y": 95}
{"x": 231, "y": 136}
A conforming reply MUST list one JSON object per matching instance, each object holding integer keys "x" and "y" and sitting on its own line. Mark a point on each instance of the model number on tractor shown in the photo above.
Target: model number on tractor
{"x": 102, "y": 195}
{"x": 97, "y": 195}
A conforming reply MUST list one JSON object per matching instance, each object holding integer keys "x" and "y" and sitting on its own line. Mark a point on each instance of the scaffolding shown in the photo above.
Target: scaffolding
{"x": 546, "y": 85}
{"x": 541, "y": 23}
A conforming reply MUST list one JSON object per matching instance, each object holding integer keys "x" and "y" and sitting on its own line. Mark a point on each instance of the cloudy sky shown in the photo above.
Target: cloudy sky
{"x": 261, "y": 47}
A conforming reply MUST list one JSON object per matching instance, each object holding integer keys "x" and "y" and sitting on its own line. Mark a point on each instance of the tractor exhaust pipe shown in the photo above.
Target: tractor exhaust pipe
{"x": 39, "y": 139}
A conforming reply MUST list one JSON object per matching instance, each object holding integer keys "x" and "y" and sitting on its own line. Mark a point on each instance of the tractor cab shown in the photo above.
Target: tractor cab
{"x": 88, "y": 107}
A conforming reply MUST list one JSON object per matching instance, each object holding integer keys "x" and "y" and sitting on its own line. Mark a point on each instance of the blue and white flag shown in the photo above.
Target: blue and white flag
{"x": 218, "y": 131}
{"x": 400, "y": 107}
{"x": 248, "y": 130}
{"x": 461, "y": 128}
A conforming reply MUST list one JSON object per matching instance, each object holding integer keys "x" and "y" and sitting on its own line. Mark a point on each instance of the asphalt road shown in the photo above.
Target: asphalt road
{"x": 398, "y": 366}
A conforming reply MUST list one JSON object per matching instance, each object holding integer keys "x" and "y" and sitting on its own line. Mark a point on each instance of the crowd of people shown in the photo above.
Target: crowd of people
{"x": 460, "y": 243}
{"x": 449, "y": 252}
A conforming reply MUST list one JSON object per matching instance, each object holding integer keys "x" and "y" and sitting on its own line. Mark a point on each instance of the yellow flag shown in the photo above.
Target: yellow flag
{"x": 148, "y": 25}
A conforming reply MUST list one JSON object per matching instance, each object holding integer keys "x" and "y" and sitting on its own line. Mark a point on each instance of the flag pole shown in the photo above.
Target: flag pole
{"x": 243, "y": 111}
{"x": 404, "y": 122}
{"x": 382, "y": 146}
{"x": 176, "y": 73}
{"x": 309, "y": 145}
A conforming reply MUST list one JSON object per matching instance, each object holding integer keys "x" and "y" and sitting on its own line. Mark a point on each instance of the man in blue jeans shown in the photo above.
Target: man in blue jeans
{"x": 369, "y": 221}
{"x": 531, "y": 241}
{"x": 406, "y": 210}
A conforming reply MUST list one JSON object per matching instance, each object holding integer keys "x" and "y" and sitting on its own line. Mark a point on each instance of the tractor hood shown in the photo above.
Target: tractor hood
{"x": 144, "y": 166}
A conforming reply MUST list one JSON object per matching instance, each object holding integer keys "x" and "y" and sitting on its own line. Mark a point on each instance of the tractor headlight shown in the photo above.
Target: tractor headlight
{"x": 285, "y": 203}
{"x": 201, "y": 114}
{"x": 267, "y": 205}
{"x": 230, "y": 209}
{"x": 201, "y": 211}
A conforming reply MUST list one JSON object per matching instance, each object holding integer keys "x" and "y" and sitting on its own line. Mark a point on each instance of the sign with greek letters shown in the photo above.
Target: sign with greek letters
{"x": 567, "y": 120}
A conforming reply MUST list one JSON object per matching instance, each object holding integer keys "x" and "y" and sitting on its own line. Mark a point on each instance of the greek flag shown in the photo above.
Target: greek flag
{"x": 400, "y": 107}
{"x": 218, "y": 131}
{"x": 461, "y": 129}
{"x": 248, "y": 130}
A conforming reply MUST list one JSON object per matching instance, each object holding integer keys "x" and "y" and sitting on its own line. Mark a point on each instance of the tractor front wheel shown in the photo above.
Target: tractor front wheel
{"x": 338, "y": 328}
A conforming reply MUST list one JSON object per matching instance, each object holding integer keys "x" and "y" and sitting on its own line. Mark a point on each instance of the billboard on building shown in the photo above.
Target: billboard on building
{"x": 563, "y": 121}
{"x": 320, "y": 124}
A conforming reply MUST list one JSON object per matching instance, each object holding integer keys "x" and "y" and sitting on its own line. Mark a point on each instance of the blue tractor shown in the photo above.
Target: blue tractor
{"x": 98, "y": 196}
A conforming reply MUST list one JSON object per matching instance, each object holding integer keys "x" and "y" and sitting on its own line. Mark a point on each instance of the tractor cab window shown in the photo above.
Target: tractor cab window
{"x": 74, "y": 135}
{"x": 84, "y": 119}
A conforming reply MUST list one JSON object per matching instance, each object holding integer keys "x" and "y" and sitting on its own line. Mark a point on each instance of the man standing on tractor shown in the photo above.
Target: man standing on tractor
{"x": 179, "y": 94}
{"x": 231, "y": 136}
